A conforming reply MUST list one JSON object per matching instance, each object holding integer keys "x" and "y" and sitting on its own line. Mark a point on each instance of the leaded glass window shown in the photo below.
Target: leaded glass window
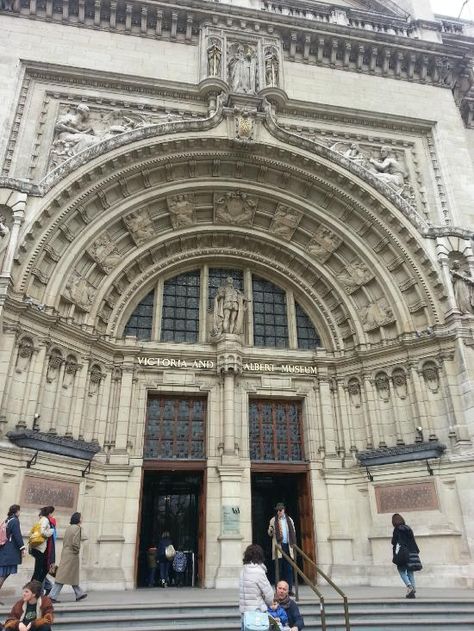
{"x": 275, "y": 430}
{"x": 180, "y": 316}
{"x": 175, "y": 428}
{"x": 141, "y": 320}
{"x": 218, "y": 277}
{"x": 307, "y": 334}
{"x": 270, "y": 324}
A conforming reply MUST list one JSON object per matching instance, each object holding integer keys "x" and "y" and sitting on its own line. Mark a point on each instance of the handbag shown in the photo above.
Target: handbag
{"x": 53, "y": 568}
{"x": 36, "y": 537}
{"x": 414, "y": 562}
{"x": 170, "y": 552}
{"x": 255, "y": 621}
{"x": 400, "y": 555}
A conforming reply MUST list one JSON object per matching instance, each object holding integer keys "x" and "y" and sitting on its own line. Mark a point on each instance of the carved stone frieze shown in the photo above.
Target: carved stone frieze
{"x": 181, "y": 208}
{"x": 354, "y": 275}
{"x": 105, "y": 253}
{"x": 323, "y": 243}
{"x": 140, "y": 226}
{"x": 80, "y": 292}
{"x": 236, "y": 208}
{"x": 377, "y": 313}
{"x": 285, "y": 221}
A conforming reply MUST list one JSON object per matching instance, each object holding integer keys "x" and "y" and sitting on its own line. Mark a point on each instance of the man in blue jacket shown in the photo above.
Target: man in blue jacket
{"x": 295, "y": 619}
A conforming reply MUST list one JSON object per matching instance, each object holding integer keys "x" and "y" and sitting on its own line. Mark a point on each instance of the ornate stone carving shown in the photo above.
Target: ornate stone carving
{"x": 245, "y": 123}
{"x": 214, "y": 57}
{"x": 389, "y": 170}
{"x": 95, "y": 378}
{"x": 323, "y": 244}
{"x": 285, "y": 222}
{"x": 4, "y": 233}
{"x": 236, "y": 208}
{"x": 399, "y": 381}
{"x": 229, "y": 308}
{"x": 105, "y": 253}
{"x": 242, "y": 68}
{"x": 431, "y": 376}
{"x": 354, "y": 275}
{"x": 376, "y": 313}
{"x": 355, "y": 154}
{"x": 54, "y": 364}
{"x": 25, "y": 353}
{"x": 382, "y": 386}
{"x": 140, "y": 226}
{"x": 353, "y": 388}
{"x": 80, "y": 292}
{"x": 272, "y": 67}
{"x": 70, "y": 370}
{"x": 463, "y": 286}
{"x": 181, "y": 209}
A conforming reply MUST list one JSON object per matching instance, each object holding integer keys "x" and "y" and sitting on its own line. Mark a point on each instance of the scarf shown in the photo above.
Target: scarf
{"x": 291, "y": 531}
{"x": 283, "y": 602}
{"x": 51, "y": 544}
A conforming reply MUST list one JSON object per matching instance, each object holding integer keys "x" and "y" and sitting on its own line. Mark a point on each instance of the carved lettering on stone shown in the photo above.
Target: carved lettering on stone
{"x": 25, "y": 353}
{"x": 242, "y": 68}
{"x": 401, "y": 498}
{"x": 376, "y": 313}
{"x": 80, "y": 292}
{"x": 236, "y": 208}
{"x": 285, "y": 221}
{"x": 181, "y": 209}
{"x": 323, "y": 244}
{"x": 140, "y": 226}
{"x": 354, "y": 276}
{"x": 41, "y": 491}
{"x": 105, "y": 253}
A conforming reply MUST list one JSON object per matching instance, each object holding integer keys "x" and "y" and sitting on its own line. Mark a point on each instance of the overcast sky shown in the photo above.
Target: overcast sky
{"x": 452, "y": 7}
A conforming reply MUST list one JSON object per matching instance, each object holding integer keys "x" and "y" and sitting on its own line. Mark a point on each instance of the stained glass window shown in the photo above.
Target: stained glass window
{"x": 140, "y": 322}
{"x": 270, "y": 324}
{"x": 180, "y": 316}
{"x": 275, "y": 430}
{"x": 175, "y": 428}
{"x": 307, "y": 334}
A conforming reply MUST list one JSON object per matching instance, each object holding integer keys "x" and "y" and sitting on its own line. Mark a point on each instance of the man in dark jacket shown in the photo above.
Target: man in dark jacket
{"x": 295, "y": 619}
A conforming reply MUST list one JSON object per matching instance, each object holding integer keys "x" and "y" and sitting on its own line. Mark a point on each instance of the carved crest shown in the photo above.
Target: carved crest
{"x": 236, "y": 208}
{"x": 285, "y": 222}
{"x": 140, "y": 226}
{"x": 181, "y": 209}
{"x": 245, "y": 123}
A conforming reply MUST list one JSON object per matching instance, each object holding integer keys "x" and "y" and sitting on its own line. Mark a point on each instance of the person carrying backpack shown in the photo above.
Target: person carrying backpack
{"x": 180, "y": 563}
{"x": 12, "y": 548}
{"x": 40, "y": 534}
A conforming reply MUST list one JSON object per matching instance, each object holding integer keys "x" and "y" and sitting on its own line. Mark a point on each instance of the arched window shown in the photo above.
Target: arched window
{"x": 141, "y": 320}
{"x": 307, "y": 334}
{"x": 180, "y": 319}
{"x": 270, "y": 322}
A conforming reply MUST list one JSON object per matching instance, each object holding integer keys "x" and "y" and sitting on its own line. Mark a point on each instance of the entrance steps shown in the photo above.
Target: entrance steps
{"x": 203, "y": 610}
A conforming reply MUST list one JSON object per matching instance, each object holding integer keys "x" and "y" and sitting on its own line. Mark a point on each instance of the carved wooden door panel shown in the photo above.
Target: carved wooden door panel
{"x": 305, "y": 509}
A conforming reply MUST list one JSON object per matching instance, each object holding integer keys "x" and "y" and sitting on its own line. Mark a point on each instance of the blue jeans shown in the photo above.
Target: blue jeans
{"x": 407, "y": 576}
{"x": 286, "y": 571}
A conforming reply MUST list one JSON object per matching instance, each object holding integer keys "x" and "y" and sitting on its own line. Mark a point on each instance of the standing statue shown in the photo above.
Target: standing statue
{"x": 4, "y": 236}
{"x": 242, "y": 70}
{"x": 463, "y": 286}
{"x": 272, "y": 68}
{"x": 214, "y": 56}
{"x": 229, "y": 308}
{"x": 389, "y": 170}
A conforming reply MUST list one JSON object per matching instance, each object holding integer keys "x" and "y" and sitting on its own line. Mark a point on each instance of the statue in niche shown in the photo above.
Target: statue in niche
{"x": 272, "y": 67}
{"x": 463, "y": 287}
{"x": 236, "y": 208}
{"x": 79, "y": 291}
{"x": 243, "y": 70}
{"x": 354, "y": 275}
{"x": 285, "y": 222}
{"x": 323, "y": 244}
{"x": 70, "y": 369}
{"x": 104, "y": 252}
{"x": 389, "y": 170}
{"x": 181, "y": 209}
{"x": 25, "y": 353}
{"x": 214, "y": 57}
{"x": 54, "y": 364}
{"x": 140, "y": 226}
{"x": 229, "y": 307}
{"x": 376, "y": 313}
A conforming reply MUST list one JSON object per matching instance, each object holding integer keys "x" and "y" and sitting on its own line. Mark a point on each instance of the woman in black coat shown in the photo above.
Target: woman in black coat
{"x": 13, "y": 550}
{"x": 403, "y": 542}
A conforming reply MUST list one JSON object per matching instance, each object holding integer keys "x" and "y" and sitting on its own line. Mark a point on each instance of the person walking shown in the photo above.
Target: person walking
{"x": 68, "y": 570}
{"x": 41, "y": 532}
{"x": 12, "y": 550}
{"x": 255, "y": 591}
{"x": 165, "y": 554}
{"x": 33, "y": 611}
{"x": 282, "y": 530}
{"x": 405, "y": 553}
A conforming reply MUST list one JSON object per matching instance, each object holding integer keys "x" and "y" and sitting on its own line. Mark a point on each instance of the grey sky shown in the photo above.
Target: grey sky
{"x": 452, "y": 7}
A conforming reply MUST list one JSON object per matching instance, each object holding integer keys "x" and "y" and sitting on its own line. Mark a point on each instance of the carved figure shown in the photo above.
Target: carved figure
{"x": 54, "y": 364}
{"x": 272, "y": 67}
{"x": 355, "y": 154}
{"x": 285, "y": 222}
{"x": 376, "y": 314}
{"x": 229, "y": 308}
{"x": 4, "y": 236}
{"x": 243, "y": 70}
{"x": 389, "y": 169}
{"x": 80, "y": 292}
{"x": 463, "y": 286}
{"x": 140, "y": 227}
{"x": 214, "y": 58}
{"x": 25, "y": 353}
{"x": 354, "y": 275}
{"x": 235, "y": 208}
{"x": 74, "y": 131}
{"x": 181, "y": 209}
{"x": 323, "y": 244}
{"x": 104, "y": 252}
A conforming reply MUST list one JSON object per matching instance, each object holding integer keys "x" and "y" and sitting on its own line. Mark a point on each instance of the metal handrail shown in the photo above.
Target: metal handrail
{"x": 322, "y": 606}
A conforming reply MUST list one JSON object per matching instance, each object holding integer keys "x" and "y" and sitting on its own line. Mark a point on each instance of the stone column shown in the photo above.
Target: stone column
{"x": 124, "y": 409}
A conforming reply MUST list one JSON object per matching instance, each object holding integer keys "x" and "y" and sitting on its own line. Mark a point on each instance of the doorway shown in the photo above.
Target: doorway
{"x": 268, "y": 488}
{"x": 173, "y": 502}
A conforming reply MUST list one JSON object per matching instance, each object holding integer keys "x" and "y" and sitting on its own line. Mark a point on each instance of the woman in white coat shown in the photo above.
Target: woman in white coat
{"x": 255, "y": 591}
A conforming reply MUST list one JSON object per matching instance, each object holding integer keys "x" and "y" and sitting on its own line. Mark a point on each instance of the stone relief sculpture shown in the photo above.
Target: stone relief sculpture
{"x": 229, "y": 308}
{"x": 382, "y": 386}
{"x": 242, "y": 68}
{"x": 80, "y": 292}
{"x": 181, "y": 209}
{"x": 285, "y": 222}
{"x": 272, "y": 67}
{"x": 214, "y": 57}
{"x": 431, "y": 376}
{"x": 354, "y": 276}
{"x": 388, "y": 169}
{"x": 463, "y": 286}
{"x": 354, "y": 392}
{"x": 4, "y": 236}
{"x": 236, "y": 208}
{"x": 376, "y": 313}
{"x": 95, "y": 379}
{"x": 355, "y": 154}
{"x": 25, "y": 353}
{"x": 323, "y": 244}
{"x": 244, "y": 125}
{"x": 140, "y": 226}
{"x": 105, "y": 253}
{"x": 70, "y": 369}
{"x": 54, "y": 364}
{"x": 400, "y": 383}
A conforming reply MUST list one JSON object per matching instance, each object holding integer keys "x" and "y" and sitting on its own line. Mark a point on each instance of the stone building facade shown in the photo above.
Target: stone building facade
{"x": 237, "y": 267}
